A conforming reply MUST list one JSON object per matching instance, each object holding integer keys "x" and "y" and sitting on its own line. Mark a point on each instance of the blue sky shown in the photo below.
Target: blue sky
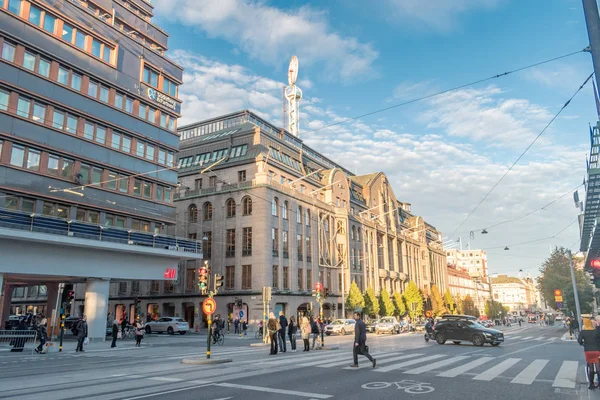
{"x": 442, "y": 154}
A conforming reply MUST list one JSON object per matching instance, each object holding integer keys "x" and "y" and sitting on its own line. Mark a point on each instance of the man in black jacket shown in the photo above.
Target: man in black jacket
{"x": 283, "y": 325}
{"x": 360, "y": 340}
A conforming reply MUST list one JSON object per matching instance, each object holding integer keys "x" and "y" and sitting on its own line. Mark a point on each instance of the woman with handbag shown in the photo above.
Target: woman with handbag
{"x": 273, "y": 327}
{"x": 292, "y": 329}
{"x": 139, "y": 333}
{"x": 306, "y": 329}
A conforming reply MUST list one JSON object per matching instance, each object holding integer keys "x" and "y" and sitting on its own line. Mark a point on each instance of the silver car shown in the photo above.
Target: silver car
{"x": 169, "y": 325}
{"x": 340, "y": 327}
{"x": 387, "y": 325}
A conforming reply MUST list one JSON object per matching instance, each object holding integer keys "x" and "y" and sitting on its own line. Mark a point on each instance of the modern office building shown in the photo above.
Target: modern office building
{"x": 88, "y": 137}
{"x": 275, "y": 212}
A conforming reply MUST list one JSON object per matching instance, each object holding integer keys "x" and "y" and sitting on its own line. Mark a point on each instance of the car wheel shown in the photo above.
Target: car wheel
{"x": 495, "y": 344}
{"x": 456, "y": 342}
{"x": 170, "y": 330}
{"x": 328, "y": 333}
{"x": 477, "y": 340}
{"x": 148, "y": 330}
{"x": 342, "y": 332}
{"x": 182, "y": 332}
{"x": 440, "y": 339}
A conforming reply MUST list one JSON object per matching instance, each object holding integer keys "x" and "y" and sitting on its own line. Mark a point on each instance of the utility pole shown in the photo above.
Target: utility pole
{"x": 592, "y": 21}
{"x": 577, "y": 308}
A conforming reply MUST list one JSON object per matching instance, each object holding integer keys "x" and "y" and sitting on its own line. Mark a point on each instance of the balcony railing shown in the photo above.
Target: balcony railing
{"x": 57, "y": 226}
{"x": 246, "y": 252}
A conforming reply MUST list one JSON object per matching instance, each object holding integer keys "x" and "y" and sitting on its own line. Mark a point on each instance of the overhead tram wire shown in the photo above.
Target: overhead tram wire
{"x": 534, "y": 240}
{"x": 522, "y": 154}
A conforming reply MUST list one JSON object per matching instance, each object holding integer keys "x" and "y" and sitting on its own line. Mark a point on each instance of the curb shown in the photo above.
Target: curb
{"x": 259, "y": 344}
{"x": 328, "y": 348}
{"x": 199, "y": 361}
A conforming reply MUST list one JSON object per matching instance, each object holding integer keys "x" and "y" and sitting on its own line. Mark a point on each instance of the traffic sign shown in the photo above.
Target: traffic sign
{"x": 559, "y": 304}
{"x": 428, "y": 313}
{"x": 558, "y": 298}
{"x": 241, "y": 313}
{"x": 557, "y": 292}
{"x": 209, "y": 306}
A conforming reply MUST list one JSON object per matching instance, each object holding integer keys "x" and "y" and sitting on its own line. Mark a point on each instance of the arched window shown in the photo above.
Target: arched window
{"x": 358, "y": 234}
{"x": 307, "y": 218}
{"x": 193, "y": 213}
{"x": 275, "y": 207}
{"x": 247, "y": 205}
{"x": 299, "y": 215}
{"x": 286, "y": 207}
{"x": 208, "y": 211}
{"x": 230, "y": 206}
{"x": 353, "y": 233}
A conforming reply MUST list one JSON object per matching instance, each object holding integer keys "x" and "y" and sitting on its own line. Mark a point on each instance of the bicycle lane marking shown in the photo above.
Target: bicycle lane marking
{"x": 409, "y": 386}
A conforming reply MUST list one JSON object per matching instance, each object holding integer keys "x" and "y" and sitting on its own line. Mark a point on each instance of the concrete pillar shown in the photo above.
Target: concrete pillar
{"x": 52, "y": 313}
{"x": 96, "y": 307}
{"x": 6, "y": 292}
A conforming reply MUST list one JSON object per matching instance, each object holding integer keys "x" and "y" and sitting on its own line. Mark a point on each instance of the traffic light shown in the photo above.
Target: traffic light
{"x": 318, "y": 289}
{"x": 218, "y": 282}
{"x": 325, "y": 292}
{"x": 595, "y": 264}
{"x": 239, "y": 303}
{"x": 203, "y": 279}
{"x": 71, "y": 295}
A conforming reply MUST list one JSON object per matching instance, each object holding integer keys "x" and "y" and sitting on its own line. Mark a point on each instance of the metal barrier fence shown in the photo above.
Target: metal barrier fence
{"x": 18, "y": 341}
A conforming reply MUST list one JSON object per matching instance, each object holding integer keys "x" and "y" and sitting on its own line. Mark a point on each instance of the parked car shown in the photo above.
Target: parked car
{"x": 370, "y": 326}
{"x": 486, "y": 323}
{"x": 419, "y": 327}
{"x": 169, "y": 325}
{"x": 467, "y": 330}
{"x": 340, "y": 327}
{"x": 387, "y": 325}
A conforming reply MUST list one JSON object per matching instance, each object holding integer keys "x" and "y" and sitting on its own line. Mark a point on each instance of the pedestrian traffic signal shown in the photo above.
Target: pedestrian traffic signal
{"x": 318, "y": 286}
{"x": 71, "y": 295}
{"x": 595, "y": 263}
{"x": 203, "y": 279}
{"x": 218, "y": 281}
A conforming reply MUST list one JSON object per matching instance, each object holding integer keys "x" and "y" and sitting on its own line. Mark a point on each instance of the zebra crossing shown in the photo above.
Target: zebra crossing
{"x": 531, "y": 338}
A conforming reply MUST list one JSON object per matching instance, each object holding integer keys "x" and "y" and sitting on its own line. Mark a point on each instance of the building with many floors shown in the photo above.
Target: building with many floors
{"x": 518, "y": 294}
{"x": 88, "y": 138}
{"x": 274, "y": 212}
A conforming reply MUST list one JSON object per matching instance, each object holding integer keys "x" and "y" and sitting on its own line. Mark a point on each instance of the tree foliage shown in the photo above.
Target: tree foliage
{"x": 469, "y": 306}
{"x": 556, "y": 274}
{"x": 399, "y": 304}
{"x": 437, "y": 302}
{"x": 495, "y": 309}
{"x": 449, "y": 302}
{"x": 386, "y": 306}
{"x": 414, "y": 300}
{"x": 355, "y": 298}
{"x": 371, "y": 303}
{"x": 459, "y": 305}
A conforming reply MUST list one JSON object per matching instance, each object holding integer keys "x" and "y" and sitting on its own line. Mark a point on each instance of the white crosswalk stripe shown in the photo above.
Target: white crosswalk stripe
{"x": 496, "y": 370}
{"x": 379, "y": 361}
{"x": 528, "y": 375}
{"x": 527, "y": 338}
{"x": 436, "y": 365}
{"x": 380, "y": 357}
{"x": 513, "y": 338}
{"x": 408, "y": 363}
{"x": 454, "y": 372}
{"x": 567, "y": 375}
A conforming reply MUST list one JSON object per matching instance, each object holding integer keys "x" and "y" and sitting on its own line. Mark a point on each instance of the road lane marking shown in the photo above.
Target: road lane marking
{"x": 388, "y": 360}
{"x": 466, "y": 367}
{"x": 567, "y": 375}
{"x": 164, "y": 379}
{"x": 513, "y": 338}
{"x": 156, "y": 394}
{"x": 540, "y": 339}
{"x": 435, "y": 365}
{"x": 348, "y": 359}
{"x": 527, "y": 338}
{"x": 496, "y": 370}
{"x": 272, "y": 390}
{"x": 552, "y": 339}
{"x": 408, "y": 363}
{"x": 528, "y": 375}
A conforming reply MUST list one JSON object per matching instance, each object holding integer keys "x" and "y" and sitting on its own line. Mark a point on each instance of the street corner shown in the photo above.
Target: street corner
{"x": 205, "y": 361}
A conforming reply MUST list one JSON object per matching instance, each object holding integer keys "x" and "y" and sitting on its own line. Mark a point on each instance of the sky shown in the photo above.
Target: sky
{"x": 442, "y": 154}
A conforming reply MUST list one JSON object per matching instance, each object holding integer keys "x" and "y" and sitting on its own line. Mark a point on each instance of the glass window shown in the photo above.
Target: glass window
{"x": 49, "y": 22}
{"x": 53, "y": 164}
{"x": 44, "y": 68}
{"x": 67, "y": 168}
{"x": 106, "y": 53}
{"x": 137, "y": 187}
{"x": 63, "y": 75}
{"x": 170, "y": 157}
{"x": 119, "y": 100}
{"x": 85, "y": 173}
{"x": 100, "y": 134}
{"x": 39, "y": 113}
{"x": 33, "y": 160}
{"x": 163, "y": 120}
{"x": 62, "y": 211}
{"x": 112, "y": 180}
{"x": 123, "y": 184}
{"x": 35, "y": 15}
{"x": 150, "y": 153}
{"x": 3, "y": 100}
{"x": 71, "y": 124}
{"x": 96, "y": 47}
{"x": 140, "y": 149}
{"x": 67, "y": 33}
{"x": 28, "y": 205}
{"x": 152, "y": 115}
{"x": 104, "y": 94}
{"x": 49, "y": 209}
{"x": 172, "y": 123}
{"x": 93, "y": 217}
{"x": 88, "y": 131}
{"x": 115, "y": 140}
{"x": 159, "y": 192}
{"x": 126, "y": 144}
{"x": 93, "y": 89}
{"x": 8, "y": 52}
{"x": 29, "y": 61}
{"x": 14, "y": 6}
{"x": 129, "y": 105}
{"x": 23, "y": 107}
{"x": 147, "y": 189}
{"x": 17, "y": 155}
{"x": 162, "y": 156}
{"x": 142, "y": 111}
{"x": 167, "y": 195}
{"x": 80, "y": 40}
{"x": 76, "y": 81}
{"x": 96, "y": 175}
{"x": 150, "y": 77}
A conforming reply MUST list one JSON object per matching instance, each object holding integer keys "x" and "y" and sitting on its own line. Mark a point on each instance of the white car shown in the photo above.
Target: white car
{"x": 340, "y": 327}
{"x": 387, "y": 325}
{"x": 169, "y": 325}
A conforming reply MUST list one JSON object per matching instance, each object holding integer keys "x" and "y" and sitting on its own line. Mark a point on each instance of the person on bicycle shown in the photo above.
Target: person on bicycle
{"x": 589, "y": 338}
{"x": 429, "y": 328}
{"x": 216, "y": 328}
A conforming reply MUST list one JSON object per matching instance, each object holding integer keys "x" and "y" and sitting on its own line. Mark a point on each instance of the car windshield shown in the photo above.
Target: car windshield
{"x": 338, "y": 322}
{"x": 474, "y": 324}
{"x": 375, "y": 321}
{"x": 387, "y": 320}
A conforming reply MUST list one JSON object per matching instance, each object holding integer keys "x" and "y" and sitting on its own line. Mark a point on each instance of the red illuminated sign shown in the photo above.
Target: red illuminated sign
{"x": 170, "y": 273}
{"x": 595, "y": 263}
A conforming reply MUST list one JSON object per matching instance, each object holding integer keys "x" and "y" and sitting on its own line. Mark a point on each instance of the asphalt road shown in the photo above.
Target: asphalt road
{"x": 535, "y": 362}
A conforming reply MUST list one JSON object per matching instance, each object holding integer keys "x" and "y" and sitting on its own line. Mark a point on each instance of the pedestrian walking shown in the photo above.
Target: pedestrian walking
{"x": 282, "y": 328}
{"x": 305, "y": 332}
{"x": 236, "y": 326}
{"x": 589, "y": 338}
{"x": 314, "y": 331}
{"x": 244, "y": 326}
{"x": 139, "y": 333}
{"x": 115, "y": 333}
{"x": 292, "y": 329}
{"x": 273, "y": 328}
{"x": 82, "y": 333}
{"x": 360, "y": 342}
{"x": 43, "y": 332}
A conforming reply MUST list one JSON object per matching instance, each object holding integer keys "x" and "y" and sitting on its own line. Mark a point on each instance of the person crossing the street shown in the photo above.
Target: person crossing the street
{"x": 360, "y": 342}
{"x": 589, "y": 338}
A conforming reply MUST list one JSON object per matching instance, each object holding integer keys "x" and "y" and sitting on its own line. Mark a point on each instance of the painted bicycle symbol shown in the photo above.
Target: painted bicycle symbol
{"x": 410, "y": 387}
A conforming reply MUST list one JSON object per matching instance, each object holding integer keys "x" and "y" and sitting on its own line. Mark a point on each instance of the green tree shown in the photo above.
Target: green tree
{"x": 371, "y": 303}
{"x": 355, "y": 298}
{"x": 437, "y": 302}
{"x": 399, "y": 304}
{"x": 459, "y": 305}
{"x": 414, "y": 300}
{"x": 386, "y": 306}
{"x": 469, "y": 306}
{"x": 556, "y": 274}
{"x": 494, "y": 309}
{"x": 449, "y": 302}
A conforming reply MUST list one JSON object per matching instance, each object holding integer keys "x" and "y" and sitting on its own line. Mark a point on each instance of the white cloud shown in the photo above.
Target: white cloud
{"x": 272, "y": 35}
